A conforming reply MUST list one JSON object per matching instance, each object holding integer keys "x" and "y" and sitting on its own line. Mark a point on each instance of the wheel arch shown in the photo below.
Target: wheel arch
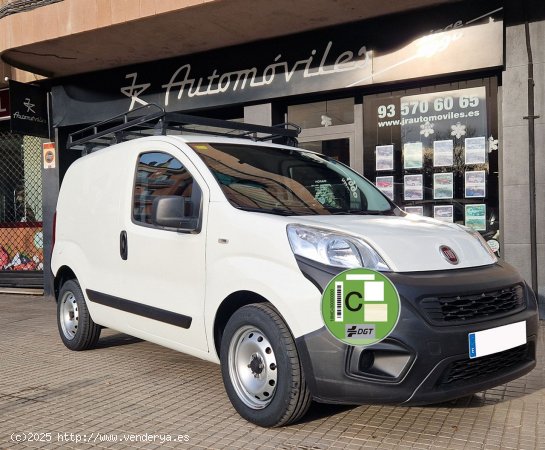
{"x": 64, "y": 274}
{"x": 228, "y": 307}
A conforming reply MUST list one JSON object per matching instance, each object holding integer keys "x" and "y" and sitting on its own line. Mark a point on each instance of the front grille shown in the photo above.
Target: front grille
{"x": 469, "y": 369}
{"x": 474, "y": 307}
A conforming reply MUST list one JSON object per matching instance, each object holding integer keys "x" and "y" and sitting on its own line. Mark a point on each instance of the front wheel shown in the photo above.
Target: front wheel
{"x": 261, "y": 369}
{"x": 76, "y": 328}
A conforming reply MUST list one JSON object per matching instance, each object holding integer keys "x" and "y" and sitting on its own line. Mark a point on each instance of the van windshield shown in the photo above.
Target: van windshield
{"x": 290, "y": 182}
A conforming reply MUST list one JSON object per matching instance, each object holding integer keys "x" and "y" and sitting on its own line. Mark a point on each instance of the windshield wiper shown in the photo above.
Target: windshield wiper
{"x": 364, "y": 212}
{"x": 277, "y": 211}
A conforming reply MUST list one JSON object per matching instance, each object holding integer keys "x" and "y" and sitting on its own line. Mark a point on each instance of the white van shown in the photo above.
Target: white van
{"x": 221, "y": 248}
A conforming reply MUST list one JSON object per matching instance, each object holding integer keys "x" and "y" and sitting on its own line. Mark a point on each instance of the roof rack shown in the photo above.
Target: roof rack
{"x": 151, "y": 119}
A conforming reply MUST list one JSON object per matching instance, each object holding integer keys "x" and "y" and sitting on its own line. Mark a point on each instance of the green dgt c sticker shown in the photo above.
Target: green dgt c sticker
{"x": 360, "y": 306}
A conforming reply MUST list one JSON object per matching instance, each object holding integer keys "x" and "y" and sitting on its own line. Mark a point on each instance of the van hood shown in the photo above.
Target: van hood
{"x": 410, "y": 243}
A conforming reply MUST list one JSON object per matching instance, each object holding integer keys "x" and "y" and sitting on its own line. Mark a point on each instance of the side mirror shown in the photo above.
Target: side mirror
{"x": 170, "y": 211}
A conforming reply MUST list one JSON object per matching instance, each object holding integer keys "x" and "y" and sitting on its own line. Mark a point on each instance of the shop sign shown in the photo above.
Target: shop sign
{"x": 376, "y": 51}
{"x": 28, "y": 109}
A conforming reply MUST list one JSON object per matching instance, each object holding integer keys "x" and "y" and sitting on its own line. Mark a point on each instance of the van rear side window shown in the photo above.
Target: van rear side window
{"x": 158, "y": 174}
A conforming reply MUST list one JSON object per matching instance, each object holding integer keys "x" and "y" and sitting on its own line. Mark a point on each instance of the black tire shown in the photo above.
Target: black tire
{"x": 288, "y": 398}
{"x": 76, "y": 328}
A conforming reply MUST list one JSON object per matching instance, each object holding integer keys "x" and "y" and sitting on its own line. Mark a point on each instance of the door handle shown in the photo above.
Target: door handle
{"x": 123, "y": 245}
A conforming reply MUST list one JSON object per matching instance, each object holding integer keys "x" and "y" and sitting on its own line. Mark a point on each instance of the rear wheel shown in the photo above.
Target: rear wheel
{"x": 261, "y": 369}
{"x": 76, "y": 328}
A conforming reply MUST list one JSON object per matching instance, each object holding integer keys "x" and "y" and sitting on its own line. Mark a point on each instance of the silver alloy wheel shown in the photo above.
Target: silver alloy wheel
{"x": 69, "y": 315}
{"x": 252, "y": 367}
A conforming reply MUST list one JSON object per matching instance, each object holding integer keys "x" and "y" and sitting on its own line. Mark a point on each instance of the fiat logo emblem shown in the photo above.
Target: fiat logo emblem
{"x": 449, "y": 254}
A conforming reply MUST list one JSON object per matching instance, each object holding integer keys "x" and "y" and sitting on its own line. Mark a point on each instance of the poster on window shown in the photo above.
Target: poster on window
{"x": 475, "y": 150}
{"x": 418, "y": 210}
{"x": 413, "y": 188}
{"x": 443, "y": 212}
{"x": 21, "y": 246}
{"x": 443, "y": 153}
{"x": 443, "y": 185}
{"x": 476, "y": 217}
{"x": 384, "y": 157}
{"x": 386, "y": 186}
{"x": 412, "y": 155}
{"x": 475, "y": 184}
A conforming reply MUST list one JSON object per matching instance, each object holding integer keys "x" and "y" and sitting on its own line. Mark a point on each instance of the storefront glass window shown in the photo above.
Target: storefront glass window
{"x": 435, "y": 154}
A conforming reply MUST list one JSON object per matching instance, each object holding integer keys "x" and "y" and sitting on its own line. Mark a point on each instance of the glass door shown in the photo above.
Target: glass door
{"x": 327, "y": 127}
{"x": 339, "y": 146}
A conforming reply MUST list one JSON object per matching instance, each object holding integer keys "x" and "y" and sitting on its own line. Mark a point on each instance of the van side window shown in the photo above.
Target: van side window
{"x": 159, "y": 174}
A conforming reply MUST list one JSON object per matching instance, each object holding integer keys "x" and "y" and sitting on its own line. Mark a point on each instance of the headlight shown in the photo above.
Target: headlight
{"x": 333, "y": 249}
{"x": 479, "y": 237}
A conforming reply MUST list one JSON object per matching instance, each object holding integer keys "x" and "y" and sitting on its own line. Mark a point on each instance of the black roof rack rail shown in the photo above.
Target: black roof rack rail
{"x": 154, "y": 118}
{"x": 99, "y": 129}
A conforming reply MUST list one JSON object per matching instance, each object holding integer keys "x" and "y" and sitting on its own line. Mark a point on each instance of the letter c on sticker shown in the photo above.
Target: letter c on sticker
{"x": 347, "y": 301}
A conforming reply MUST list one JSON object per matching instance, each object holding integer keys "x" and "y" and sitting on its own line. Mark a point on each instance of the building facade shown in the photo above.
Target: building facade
{"x": 439, "y": 103}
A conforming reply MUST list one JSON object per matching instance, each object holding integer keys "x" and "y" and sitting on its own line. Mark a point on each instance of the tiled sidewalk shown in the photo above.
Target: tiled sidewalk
{"x": 146, "y": 396}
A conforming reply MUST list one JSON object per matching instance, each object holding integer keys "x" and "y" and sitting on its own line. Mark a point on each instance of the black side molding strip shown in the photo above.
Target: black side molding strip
{"x": 139, "y": 309}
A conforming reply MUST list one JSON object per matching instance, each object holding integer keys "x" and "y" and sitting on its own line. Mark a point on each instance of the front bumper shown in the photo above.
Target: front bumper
{"x": 423, "y": 361}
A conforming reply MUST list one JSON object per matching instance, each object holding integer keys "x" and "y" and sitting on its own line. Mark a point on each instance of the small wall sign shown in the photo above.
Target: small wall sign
{"x": 49, "y": 155}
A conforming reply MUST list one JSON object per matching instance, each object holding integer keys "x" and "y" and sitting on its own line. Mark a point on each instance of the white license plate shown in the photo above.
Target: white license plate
{"x": 494, "y": 340}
